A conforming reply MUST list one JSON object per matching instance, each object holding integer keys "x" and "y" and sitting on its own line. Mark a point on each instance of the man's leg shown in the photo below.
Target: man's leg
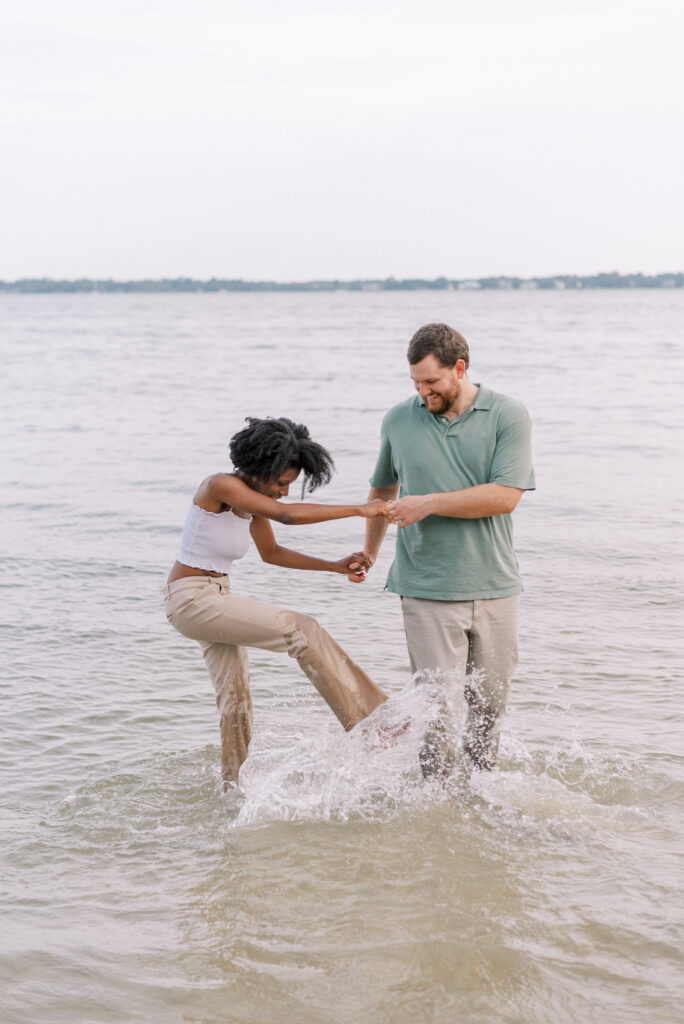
{"x": 437, "y": 634}
{"x": 492, "y": 660}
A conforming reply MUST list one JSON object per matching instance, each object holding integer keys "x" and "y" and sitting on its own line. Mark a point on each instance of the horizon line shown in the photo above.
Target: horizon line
{"x": 603, "y": 279}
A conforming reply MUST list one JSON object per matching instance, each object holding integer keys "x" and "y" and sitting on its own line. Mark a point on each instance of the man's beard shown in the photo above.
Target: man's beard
{"x": 446, "y": 402}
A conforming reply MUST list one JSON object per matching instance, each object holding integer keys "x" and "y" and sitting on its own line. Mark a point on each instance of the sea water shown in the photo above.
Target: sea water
{"x": 335, "y": 885}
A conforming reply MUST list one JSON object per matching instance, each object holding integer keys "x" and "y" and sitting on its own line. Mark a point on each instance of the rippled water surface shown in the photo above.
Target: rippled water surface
{"x": 335, "y": 886}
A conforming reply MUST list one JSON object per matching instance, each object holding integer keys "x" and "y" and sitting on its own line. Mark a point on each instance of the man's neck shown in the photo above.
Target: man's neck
{"x": 464, "y": 401}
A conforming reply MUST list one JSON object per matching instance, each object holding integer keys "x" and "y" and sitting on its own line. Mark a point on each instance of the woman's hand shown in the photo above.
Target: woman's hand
{"x": 354, "y": 566}
{"x": 374, "y": 508}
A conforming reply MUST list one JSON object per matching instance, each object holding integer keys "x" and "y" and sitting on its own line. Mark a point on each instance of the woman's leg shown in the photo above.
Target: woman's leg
{"x": 204, "y": 609}
{"x": 342, "y": 684}
{"x": 229, "y": 670}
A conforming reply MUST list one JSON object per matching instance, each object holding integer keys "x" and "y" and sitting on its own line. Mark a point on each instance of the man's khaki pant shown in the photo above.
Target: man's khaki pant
{"x": 478, "y": 639}
{"x": 202, "y": 608}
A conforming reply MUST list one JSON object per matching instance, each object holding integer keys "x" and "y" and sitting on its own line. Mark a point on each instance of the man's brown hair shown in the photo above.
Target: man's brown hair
{"x": 441, "y": 341}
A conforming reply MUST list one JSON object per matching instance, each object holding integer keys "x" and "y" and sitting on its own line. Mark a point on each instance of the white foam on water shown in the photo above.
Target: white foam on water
{"x": 373, "y": 771}
{"x": 364, "y": 773}
{"x": 536, "y": 796}
{"x": 320, "y": 773}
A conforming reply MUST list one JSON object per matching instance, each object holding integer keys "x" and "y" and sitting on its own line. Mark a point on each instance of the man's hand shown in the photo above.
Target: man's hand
{"x": 409, "y": 509}
{"x": 478, "y": 502}
{"x": 355, "y": 566}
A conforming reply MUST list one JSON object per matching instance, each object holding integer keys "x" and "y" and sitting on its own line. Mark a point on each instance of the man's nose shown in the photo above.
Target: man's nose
{"x": 284, "y": 491}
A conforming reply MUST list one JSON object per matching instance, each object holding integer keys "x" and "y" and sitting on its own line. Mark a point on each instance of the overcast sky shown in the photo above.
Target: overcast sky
{"x": 295, "y": 140}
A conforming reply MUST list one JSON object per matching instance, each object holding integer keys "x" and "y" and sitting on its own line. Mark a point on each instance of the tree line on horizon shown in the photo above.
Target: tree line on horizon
{"x": 188, "y": 284}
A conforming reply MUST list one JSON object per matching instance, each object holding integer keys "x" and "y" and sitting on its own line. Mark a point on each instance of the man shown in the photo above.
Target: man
{"x": 459, "y": 457}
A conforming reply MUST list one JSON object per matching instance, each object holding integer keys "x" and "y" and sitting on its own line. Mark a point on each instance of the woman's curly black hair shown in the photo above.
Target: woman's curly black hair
{"x": 266, "y": 448}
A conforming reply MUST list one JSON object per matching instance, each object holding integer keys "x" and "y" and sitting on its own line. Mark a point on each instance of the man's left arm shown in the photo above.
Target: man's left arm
{"x": 471, "y": 503}
{"x": 510, "y": 476}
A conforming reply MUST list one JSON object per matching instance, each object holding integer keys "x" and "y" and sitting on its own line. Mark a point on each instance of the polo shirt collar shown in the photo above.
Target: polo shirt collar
{"x": 483, "y": 399}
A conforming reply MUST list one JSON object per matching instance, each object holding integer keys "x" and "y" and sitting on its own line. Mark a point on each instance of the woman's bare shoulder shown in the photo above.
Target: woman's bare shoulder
{"x": 217, "y": 492}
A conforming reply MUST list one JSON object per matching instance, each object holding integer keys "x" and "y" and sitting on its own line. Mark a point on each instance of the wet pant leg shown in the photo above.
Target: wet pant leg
{"x": 228, "y": 667}
{"x": 492, "y": 660}
{"x": 479, "y": 639}
{"x": 204, "y": 609}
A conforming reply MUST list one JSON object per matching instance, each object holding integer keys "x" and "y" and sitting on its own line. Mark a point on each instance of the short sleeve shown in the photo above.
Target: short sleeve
{"x": 512, "y": 461}
{"x": 384, "y": 474}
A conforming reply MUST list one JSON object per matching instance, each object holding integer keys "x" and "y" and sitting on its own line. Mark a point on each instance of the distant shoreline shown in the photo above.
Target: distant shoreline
{"x": 558, "y": 282}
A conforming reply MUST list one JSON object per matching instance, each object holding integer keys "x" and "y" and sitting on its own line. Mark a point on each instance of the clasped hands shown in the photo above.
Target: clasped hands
{"x": 409, "y": 509}
{"x": 401, "y": 511}
{"x": 355, "y": 566}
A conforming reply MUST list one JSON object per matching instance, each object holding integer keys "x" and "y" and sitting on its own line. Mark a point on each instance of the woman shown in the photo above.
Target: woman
{"x": 228, "y": 508}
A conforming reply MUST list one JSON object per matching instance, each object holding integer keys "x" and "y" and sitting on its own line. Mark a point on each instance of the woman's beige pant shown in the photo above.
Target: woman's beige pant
{"x": 202, "y": 608}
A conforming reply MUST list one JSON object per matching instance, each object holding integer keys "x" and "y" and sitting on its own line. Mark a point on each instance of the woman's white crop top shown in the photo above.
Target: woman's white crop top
{"x": 213, "y": 540}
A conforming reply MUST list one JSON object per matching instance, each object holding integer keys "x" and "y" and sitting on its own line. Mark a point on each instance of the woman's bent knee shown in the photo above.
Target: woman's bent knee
{"x": 299, "y": 630}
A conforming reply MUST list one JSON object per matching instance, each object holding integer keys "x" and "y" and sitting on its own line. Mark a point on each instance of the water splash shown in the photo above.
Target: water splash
{"x": 373, "y": 772}
{"x": 366, "y": 773}
{"x": 319, "y": 773}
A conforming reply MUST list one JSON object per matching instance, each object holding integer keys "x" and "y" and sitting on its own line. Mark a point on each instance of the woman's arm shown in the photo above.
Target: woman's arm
{"x": 353, "y": 566}
{"x": 225, "y": 489}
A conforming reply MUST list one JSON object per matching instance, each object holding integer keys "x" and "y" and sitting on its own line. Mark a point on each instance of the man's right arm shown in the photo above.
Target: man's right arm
{"x": 377, "y": 528}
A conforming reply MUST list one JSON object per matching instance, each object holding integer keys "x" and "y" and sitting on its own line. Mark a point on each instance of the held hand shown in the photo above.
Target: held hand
{"x": 360, "y": 566}
{"x": 354, "y": 566}
{"x": 374, "y": 508}
{"x": 409, "y": 509}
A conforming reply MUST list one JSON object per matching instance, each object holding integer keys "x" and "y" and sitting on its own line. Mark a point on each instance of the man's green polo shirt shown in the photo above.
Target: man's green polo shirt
{"x": 441, "y": 558}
